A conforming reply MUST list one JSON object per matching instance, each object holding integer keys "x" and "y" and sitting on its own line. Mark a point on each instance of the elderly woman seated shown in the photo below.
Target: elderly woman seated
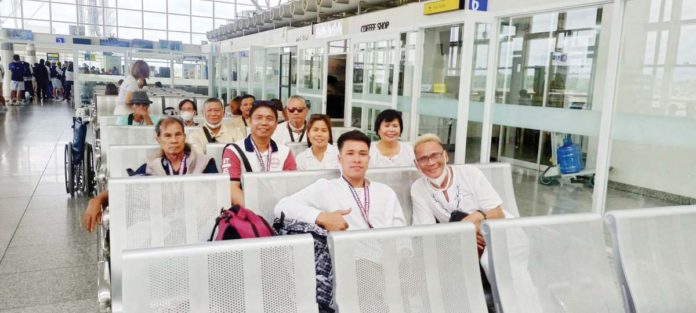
{"x": 175, "y": 158}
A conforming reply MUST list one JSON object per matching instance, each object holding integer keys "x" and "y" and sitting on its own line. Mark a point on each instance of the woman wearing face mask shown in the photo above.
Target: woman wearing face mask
{"x": 389, "y": 151}
{"x": 322, "y": 154}
{"x": 214, "y": 130}
{"x": 187, "y": 110}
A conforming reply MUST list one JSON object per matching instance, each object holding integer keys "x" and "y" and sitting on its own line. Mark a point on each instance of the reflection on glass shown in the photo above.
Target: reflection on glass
{"x": 272, "y": 73}
{"x": 373, "y": 70}
{"x": 312, "y": 66}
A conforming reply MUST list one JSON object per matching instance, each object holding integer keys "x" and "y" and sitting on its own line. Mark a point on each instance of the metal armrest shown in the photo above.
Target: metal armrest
{"x": 104, "y": 286}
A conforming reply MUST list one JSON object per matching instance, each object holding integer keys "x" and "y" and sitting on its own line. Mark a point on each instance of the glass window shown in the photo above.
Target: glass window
{"x": 224, "y": 10}
{"x": 130, "y": 18}
{"x": 64, "y": 12}
{"x": 197, "y": 38}
{"x": 155, "y": 5}
{"x": 155, "y": 35}
{"x": 93, "y": 30}
{"x": 11, "y": 23}
{"x": 180, "y": 23}
{"x": 130, "y": 33}
{"x": 686, "y": 53}
{"x": 64, "y": 1}
{"x": 36, "y": 10}
{"x": 130, "y": 4}
{"x": 61, "y": 28}
{"x": 110, "y": 31}
{"x": 109, "y": 3}
{"x": 91, "y": 15}
{"x": 110, "y": 17}
{"x": 37, "y": 26}
{"x": 11, "y": 9}
{"x": 373, "y": 71}
{"x": 202, "y": 8}
{"x": 155, "y": 20}
{"x": 183, "y": 37}
{"x": 201, "y": 24}
{"x": 180, "y": 6}
{"x": 220, "y": 22}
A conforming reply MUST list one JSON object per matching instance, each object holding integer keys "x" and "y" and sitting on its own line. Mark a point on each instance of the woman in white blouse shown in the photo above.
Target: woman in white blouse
{"x": 389, "y": 151}
{"x": 321, "y": 153}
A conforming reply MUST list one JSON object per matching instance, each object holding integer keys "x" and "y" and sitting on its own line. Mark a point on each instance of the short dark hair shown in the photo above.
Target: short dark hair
{"x": 195, "y": 108}
{"x": 247, "y": 97}
{"x": 263, "y": 104}
{"x": 111, "y": 90}
{"x": 277, "y": 103}
{"x": 15, "y": 57}
{"x": 163, "y": 122}
{"x": 353, "y": 135}
{"x": 319, "y": 118}
{"x": 389, "y": 115}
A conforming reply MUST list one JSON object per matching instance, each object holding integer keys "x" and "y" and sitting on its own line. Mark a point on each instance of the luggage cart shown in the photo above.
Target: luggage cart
{"x": 552, "y": 175}
{"x": 79, "y": 167}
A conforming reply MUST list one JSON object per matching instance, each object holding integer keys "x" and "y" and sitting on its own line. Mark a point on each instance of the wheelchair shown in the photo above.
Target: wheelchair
{"x": 79, "y": 159}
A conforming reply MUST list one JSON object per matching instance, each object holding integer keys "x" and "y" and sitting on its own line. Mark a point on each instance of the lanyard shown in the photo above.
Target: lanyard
{"x": 292, "y": 137}
{"x": 168, "y": 165}
{"x": 265, "y": 167}
{"x": 364, "y": 209}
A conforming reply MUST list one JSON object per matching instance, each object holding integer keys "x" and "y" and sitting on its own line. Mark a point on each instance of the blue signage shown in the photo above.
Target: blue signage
{"x": 114, "y": 42}
{"x": 82, "y": 41}
{"x": 145, "y": 44}
{"x": 171, "y": 45}
{"x": 19, "y": 34}
{"x": 60, "y": 40}
{"x": 478, "y": 5}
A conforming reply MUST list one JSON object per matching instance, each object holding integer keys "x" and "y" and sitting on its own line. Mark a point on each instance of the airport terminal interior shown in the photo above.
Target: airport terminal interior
{"x": 348, "y": 156}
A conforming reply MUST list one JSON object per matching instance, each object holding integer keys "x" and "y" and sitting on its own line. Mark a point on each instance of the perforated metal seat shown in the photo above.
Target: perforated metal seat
{"x": 105, "y": 105}
{"x": 148, "y": 212}
{"x": 500, "y": 177}
{"x": 122, "y": 157}
{"x": 431, "y": 268}
{"x": 215, "y": 150}
{"x": 297, "y": 147}
{"x": 655, "y": 256}
{"x": 550, "y": 264}
{"x": 251, "y": 275}
{"x": 400, "y": 180}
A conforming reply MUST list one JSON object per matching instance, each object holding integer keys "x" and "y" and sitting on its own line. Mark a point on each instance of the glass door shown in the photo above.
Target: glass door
{"x": 310, "y": 75}
{"x": 375, "y": 80}
{"x": 288, "y": 74}
{"x": 272, "y": 74}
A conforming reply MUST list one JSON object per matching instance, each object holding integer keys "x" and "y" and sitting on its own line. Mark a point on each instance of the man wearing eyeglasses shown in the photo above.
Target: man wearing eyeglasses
{"x": 294, "y": 129}
{"x": 449, "y": 194}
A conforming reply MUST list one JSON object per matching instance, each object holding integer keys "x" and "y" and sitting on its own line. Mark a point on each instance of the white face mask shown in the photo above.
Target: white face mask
{"x": 213, "y": 126}
{"x": 186, "y": 115}
{"x": 438, "y": 181}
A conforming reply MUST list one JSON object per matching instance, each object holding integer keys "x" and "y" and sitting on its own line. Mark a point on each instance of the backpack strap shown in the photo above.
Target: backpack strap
{"x": 242, "y": 156}
{"x": 130, "y": 119}
{"x": 208, "y": 135}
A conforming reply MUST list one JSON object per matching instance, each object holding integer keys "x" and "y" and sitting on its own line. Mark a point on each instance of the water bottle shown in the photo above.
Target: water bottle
{"x": 569, "y": 157}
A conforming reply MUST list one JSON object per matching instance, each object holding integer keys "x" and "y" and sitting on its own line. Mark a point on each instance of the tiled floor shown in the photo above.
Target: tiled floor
{"x": 48, "y": 263}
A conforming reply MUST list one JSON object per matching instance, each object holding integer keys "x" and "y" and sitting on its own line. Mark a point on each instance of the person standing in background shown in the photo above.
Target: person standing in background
{"x": 2, "y": 97}
{"x": 28, "y": 85}
{"x": 41, "y": 74}
{"x": 134, "y": 81}
{"x": 69, "y": 78}
{"x": 17, "y": 85}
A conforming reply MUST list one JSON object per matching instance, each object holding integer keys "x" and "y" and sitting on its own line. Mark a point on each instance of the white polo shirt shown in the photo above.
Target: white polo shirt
{"x": 280, "y": 158}
{"x": 335, "y": 194}
{"x": 307, "y": 161}
{"x": 470, "y": 191}
{"x": 405, "y": 156}
{"x": 284, "y": 134}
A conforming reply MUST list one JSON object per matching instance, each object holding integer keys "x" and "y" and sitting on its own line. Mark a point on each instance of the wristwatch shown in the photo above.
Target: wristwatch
{"x": 483, "y": 213}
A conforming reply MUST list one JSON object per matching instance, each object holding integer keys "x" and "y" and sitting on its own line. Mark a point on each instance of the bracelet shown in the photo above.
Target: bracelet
{"x": 483, "y": 213}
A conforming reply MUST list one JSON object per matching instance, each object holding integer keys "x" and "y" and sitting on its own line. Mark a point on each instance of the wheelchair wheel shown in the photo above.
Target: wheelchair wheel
{"x": 69, "y": 175}
{"x": 88, "y": 171}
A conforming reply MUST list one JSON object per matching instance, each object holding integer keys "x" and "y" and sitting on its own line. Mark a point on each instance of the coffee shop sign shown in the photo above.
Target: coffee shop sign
{"x": 374, "y": 26}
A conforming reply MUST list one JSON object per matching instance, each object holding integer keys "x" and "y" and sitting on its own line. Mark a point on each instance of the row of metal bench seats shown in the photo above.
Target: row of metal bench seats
{"x": 105, "y": 105}
{"x": 537, "y": 264}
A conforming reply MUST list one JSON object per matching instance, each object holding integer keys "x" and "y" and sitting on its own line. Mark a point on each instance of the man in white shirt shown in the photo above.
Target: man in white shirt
{"x": 350, "y": 202}
{"x": 444, "y": 190}
{"x": 294, "y": 129}
{"x": 214, "y": 130}
{"x": 257, "y": 152}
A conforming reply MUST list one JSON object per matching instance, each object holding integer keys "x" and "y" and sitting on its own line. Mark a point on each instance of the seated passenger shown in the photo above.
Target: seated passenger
{"x": 176, "y": 158}
{"x": 139, "y": 104}
{"x": 293, "y": 130}
{"x": 389, "y": 151}
{"x": 257, "y": 152}
{"x": 349, "y": 202}
{"x": 322, "y": 154}
{"x": 444, "y": 193}
{"x": 233, "y": 107}
{"x": 245, "y": 108}
{"x": 187, "y": 110}
{"x": 214, "y": 130}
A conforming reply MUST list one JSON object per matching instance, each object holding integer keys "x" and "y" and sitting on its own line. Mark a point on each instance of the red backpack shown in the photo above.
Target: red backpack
{"x": 239, "y": 223}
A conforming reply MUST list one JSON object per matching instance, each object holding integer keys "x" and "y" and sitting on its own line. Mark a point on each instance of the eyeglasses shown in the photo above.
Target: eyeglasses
{"x": 298, "y": 110}
{"x": 435, "y": 157}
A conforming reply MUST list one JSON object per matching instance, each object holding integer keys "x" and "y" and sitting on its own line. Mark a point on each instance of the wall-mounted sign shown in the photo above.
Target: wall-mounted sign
{"x": 82, "y": 41}
{"x": 52, "y": 56}
{"x": 478, "y": 5}
{"x": 441, "y": 6}
{"x": 145, "y": 44}
{"x": 19, "y": 34}
{"x": 374, "y": 26}
{"x": 328, "y": 29}
{"x": 60, "y": 40}
{"x": 171, "y": 45}
{"x": 90, "y": 57}
{"x": 114, "y": 42}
